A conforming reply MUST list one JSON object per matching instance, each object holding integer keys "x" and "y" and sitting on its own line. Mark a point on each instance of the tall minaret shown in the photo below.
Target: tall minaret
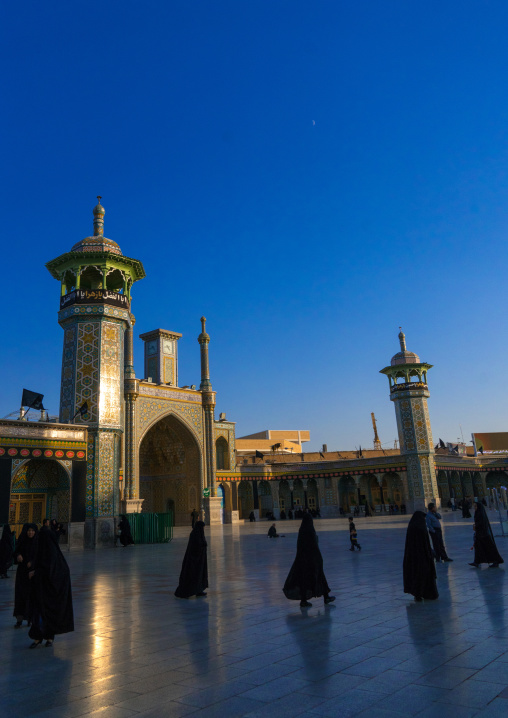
{"x": 208, "y": 409}
{"x": 409, "y": 392}
{"x": 96, "y": 280}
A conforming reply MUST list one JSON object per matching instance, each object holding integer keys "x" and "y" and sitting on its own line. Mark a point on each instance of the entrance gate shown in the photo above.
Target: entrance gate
{"x": 26, "y": 509}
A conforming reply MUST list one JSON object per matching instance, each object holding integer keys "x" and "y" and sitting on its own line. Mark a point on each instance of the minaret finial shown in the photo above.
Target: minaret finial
{"x": 98, "y": 218}
{"x": 204, "y": 339}
{"x": 402, "y": 340}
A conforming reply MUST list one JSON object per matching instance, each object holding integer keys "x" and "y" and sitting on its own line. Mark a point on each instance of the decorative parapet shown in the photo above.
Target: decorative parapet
{"x": 169, "y": 393}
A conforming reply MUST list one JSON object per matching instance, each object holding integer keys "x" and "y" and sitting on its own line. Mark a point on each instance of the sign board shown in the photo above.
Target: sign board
{"x": 206, "y": 493}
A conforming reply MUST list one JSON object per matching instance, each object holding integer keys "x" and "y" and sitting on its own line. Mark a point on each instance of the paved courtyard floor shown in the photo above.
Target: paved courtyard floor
{"x": 247, "y": 651}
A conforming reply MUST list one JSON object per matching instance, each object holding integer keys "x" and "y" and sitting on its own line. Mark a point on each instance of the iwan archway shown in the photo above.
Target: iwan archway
{"x": 40, "y": 488}
{"x": 170, "y": 470}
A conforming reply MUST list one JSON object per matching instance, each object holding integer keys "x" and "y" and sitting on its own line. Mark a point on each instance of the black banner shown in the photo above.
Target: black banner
{"x": 94, "y": 296}
{"x": 409, "y": 385}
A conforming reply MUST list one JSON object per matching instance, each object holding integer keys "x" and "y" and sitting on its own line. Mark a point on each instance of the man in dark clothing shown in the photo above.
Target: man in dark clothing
{"x": 194, "y": 517}
{"x": 436, "y": 533}
{"x": 353, "y": 535}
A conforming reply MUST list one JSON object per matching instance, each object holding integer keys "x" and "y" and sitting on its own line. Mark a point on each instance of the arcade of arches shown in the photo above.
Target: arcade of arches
{"x": 40, "y": 488}
{"x": 371, "y": 490}
{"x": 459, "y": 484}
{"x": 169, "y": 470}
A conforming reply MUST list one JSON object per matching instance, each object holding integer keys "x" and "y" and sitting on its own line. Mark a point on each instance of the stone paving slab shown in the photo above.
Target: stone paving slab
{"x": 247, "y": 651}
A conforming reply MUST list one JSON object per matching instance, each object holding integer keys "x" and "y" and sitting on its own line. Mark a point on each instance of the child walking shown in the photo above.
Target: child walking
{"x": 353, "y": 536}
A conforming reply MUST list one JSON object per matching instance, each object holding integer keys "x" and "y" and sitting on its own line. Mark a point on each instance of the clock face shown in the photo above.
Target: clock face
{"x": 167, "y": 346}
{"x": 151, "y": 347}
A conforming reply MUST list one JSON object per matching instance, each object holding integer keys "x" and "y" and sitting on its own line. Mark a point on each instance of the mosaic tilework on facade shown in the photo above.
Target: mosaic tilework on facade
{"x": 95, "y": 310}
{"x": 50, "y": 479}
{"x": 111, "y": 375}
{"x": 90, "y": 476}
{"x": 227, "y": 432}
{"x": 169, "y": 370}
{"x": 87, "y": 368}
{"x": 148, "y": 411}
{"x": 106, "y": 475}
{"x": 68, "y": 375}
{"x": 37, "y": 474}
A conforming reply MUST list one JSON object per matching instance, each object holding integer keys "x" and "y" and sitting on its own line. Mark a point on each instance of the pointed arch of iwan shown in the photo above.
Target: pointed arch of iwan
{"x": 170, "y": 468}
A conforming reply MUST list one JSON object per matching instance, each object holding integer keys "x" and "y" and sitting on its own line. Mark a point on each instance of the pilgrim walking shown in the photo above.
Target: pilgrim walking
{"x": 24, "y": 557}
{"x": 306, "y": 577}
{"x": 432, "y": 519}
{"x": 125, "y": 531}
{"x": 51, "y": 595}
{"x": 419, "y": 570}
{"x": 485, "y": 549}
{"x": 194, "y": 574}
{"x": 466, "y": 506}
{"x": 6, "y": 550}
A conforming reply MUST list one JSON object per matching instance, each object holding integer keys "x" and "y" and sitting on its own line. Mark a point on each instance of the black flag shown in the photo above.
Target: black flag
{"x": 83, "y": 409}
{"x": 259, "y": 455}
{"x": 32, "y": 400}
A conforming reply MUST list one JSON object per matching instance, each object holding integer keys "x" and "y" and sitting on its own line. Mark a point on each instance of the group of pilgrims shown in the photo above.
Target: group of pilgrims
{"x": 419, "y": 570}
{"x": 43, "y": 596}
{"x": 42, "y": 591}
{"x": 306, "y": 578}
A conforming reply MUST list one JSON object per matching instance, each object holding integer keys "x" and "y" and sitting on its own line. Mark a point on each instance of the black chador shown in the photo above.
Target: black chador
{"x": 51, "y": 596}
{"x": 194, "y": 573}
{"x": 24, "y": 557}
{"x": 418, "y": 568}
{"x": 6, "y": 550}
{"x": 125, "y": 531}
{"x": 466, "y": 513}
{"x": 485, "y": 549}
{"x": 306, "y": 577}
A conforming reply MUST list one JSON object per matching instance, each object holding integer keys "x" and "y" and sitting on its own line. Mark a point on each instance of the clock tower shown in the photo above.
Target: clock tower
{"x": 161, "y": 356}
{"x": 95, "y": 313}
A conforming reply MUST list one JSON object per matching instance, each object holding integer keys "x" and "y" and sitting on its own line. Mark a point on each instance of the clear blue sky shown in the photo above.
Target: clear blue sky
{"x": 308, "y": 175}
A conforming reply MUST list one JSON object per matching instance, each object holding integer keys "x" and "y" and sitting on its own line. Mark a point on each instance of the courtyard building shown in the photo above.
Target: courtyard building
{"x": 143, "y": 444}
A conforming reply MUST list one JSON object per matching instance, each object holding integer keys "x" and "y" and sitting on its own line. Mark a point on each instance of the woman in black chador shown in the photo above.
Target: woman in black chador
{"x": 306, "y": 577}
{"x": 194, "y": 573}
{"x": 466, "y": 513}
{"x": 485, "y": 549}
{"x": 125, "y": 531}
{"x": 418, "y": 568}
{"x": 24, "y": 557}
{"x": 51, "y": 596}
{"x": 6, "y": 550}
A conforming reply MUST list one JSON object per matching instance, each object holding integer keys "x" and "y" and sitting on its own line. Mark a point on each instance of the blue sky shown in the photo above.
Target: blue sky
{"x": 308, "y": 175}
